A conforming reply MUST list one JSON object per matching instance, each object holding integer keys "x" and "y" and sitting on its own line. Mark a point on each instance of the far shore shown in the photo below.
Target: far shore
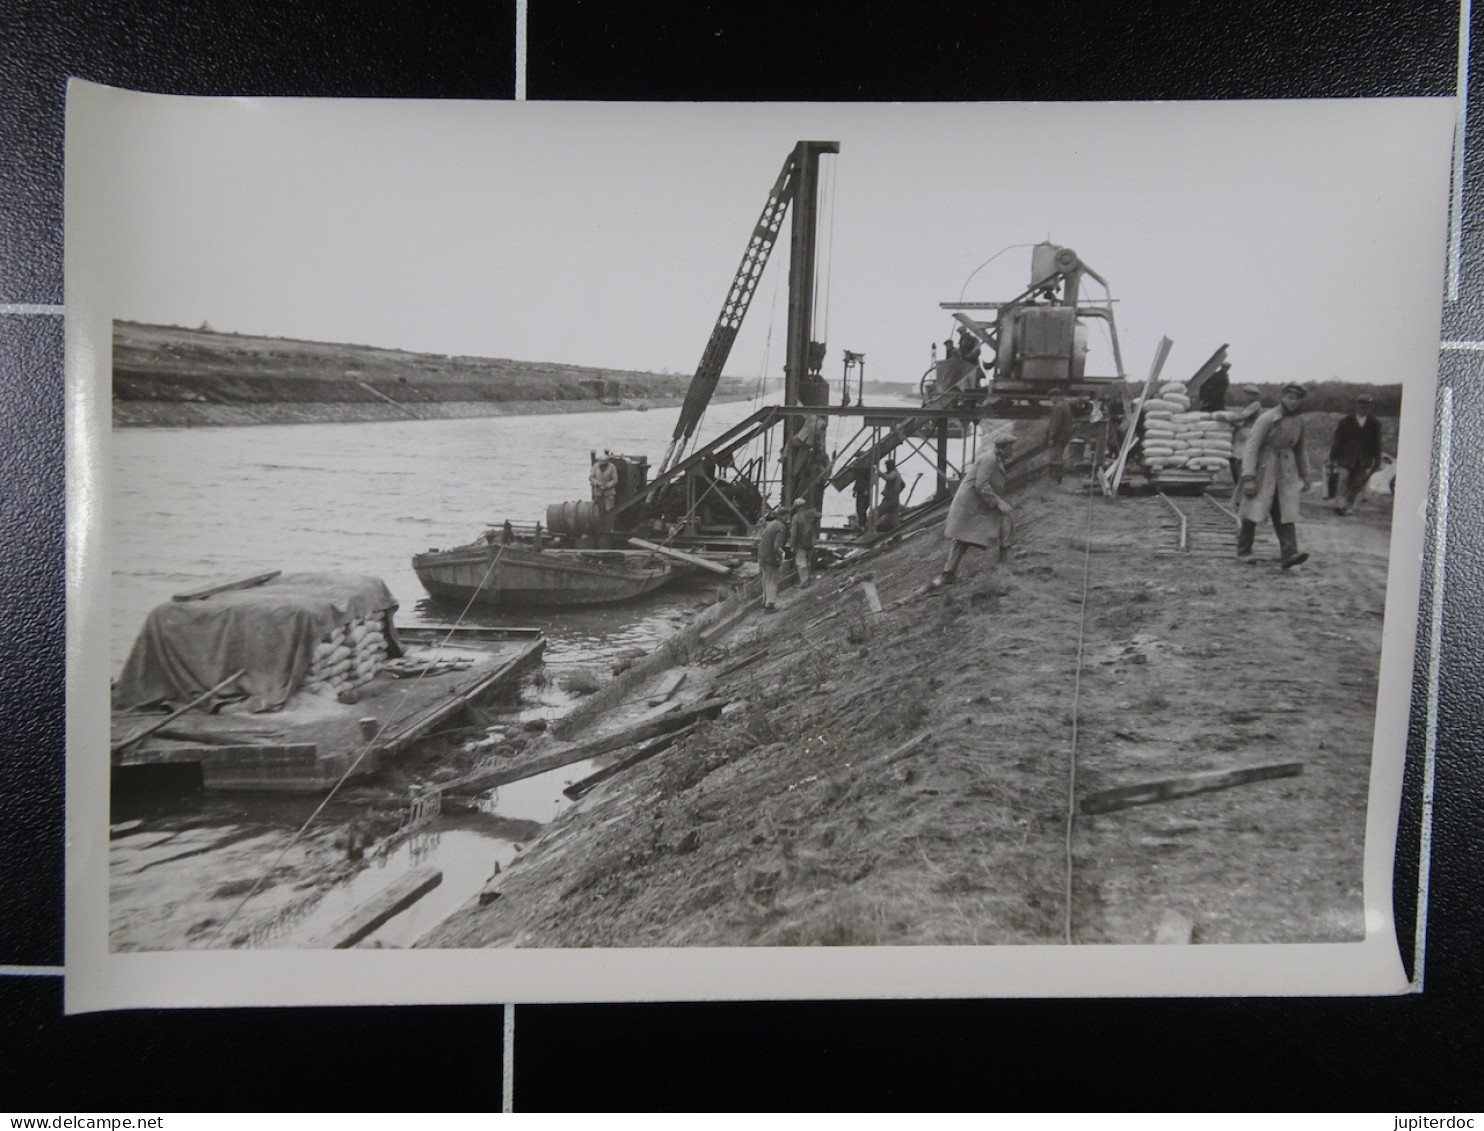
{"x": 179, "y": 414}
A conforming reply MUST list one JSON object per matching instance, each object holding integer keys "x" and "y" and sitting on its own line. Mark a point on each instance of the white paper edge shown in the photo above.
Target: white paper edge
{"x": 97, "y": 979}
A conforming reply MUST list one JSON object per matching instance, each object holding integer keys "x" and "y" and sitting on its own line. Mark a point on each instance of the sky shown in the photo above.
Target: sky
{"x": 1309, "y": 236}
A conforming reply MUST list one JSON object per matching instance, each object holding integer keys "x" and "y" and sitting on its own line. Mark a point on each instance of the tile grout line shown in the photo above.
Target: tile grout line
{"x": 30, "y": 308}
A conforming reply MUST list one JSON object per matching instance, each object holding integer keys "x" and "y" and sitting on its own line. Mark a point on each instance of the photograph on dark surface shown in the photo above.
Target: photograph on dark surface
{"x": 970, "y": 534}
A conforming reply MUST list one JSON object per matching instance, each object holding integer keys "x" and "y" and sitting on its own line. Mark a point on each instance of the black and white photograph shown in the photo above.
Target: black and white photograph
{"x": 667, "y": 551}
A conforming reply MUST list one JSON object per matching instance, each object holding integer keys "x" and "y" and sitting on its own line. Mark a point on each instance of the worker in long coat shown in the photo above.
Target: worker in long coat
{"x": 603, "y": 478}
{"x": 979, "y": 513}
{"x": 892, "y": 486}
{"x": 1275, "y": 469}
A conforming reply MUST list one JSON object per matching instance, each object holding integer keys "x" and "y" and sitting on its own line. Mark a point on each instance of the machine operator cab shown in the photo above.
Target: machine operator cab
{"x": 1036, "y": 343}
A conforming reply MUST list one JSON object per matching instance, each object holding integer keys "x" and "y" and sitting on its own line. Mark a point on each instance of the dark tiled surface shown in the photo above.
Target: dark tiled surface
{"x": 149, "y": 1061}
{"x": 774, "y": 50}
{"x": 31, "y": 643}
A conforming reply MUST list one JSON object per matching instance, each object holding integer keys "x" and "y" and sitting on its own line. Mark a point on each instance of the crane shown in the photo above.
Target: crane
{"x": 797, "y": 184}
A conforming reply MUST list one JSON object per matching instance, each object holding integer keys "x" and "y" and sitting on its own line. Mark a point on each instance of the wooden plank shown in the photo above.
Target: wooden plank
{"x": 458, "y": 699}
{"x": 681, "y": 555}
{"x": 1169, "y": 788}
{"x": 170, "y": 718}
{"x": 643, "y": 754}
{"x": 453, "y": 634}
{"x": 203, "y": 753}
{"x": 219, "y": 737}
{"x": 564, "y": 755}
{"x": 741, "y": 662}
{"x": 669, "y": 683}
{"x": 242, "y": 583}
{"x": 399, "y": 896}
{"x": 873, "y": 598}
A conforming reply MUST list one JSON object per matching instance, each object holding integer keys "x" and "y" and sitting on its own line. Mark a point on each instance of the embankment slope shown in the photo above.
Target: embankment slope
{"x": 810, "y": 817}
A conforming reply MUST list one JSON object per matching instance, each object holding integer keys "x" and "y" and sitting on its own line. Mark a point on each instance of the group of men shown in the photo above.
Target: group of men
{"x": 1269, "y": 466}
{"x": 786, "y": 530}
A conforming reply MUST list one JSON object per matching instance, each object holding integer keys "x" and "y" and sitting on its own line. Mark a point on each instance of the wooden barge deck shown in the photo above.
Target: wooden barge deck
{"x": 310, "y": 744}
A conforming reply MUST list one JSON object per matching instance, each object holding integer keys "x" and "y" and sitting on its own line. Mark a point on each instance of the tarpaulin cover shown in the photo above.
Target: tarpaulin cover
{"x": 187, "y": 647}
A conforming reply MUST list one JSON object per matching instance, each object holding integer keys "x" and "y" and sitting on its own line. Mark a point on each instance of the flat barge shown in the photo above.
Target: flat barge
{"x": 313, "y": 741}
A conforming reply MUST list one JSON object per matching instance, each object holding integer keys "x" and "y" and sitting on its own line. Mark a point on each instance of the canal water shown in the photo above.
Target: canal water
{"x": 193, "y": 507}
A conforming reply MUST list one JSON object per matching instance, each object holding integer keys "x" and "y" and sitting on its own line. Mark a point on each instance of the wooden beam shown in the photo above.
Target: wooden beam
{"x": 669, "y": 684}
{"x": 458, "y": 699}
{"x": 520, "y": 768}
{"x": 366, "y": 918}
{"x": 681, "y": 556}
{"x": 170, "y": 718}
{"x": 242, "y": 583}
{"x": 873, "y": 598}
{"x": 740, "y": 663}
{"x": 643, "y": 754}
{"x": 204, "y": 753}
{"x": 1167, "y": 789}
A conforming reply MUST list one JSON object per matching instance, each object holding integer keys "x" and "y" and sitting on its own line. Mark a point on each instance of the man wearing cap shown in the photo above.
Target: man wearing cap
{"x": 801, "y": 531}
{"x": 603, "y": 478}
{"x": 1274, "y": 464}
{"x": 979, "y": 512}
{"x": 1356, "y": 450}
{"x": 1242, "y": 423}
{"x": 892, "y": 486}
{"x": 770, "y": 557}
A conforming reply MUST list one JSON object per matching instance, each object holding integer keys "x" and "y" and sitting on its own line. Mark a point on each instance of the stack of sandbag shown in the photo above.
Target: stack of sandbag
{"x": 348, "y": 656}
{"x": 1175, "y": 438}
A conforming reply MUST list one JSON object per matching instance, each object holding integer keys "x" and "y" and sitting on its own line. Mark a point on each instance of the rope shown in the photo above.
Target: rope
{"x": 359, "y": 758}
{"x": 1076, "y": 700}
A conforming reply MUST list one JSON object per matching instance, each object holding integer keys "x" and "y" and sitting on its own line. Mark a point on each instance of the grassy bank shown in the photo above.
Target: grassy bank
{"x": 167, "y": 376}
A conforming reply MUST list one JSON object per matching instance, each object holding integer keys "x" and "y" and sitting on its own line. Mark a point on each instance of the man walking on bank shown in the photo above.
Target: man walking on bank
{"x": 979, "y": 513}
{"x": 1356, "y": 450}
{"x": 1274, "y": 465}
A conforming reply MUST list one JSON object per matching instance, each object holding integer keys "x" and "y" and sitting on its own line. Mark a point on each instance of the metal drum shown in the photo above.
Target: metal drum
{"x": 577, "y": 519}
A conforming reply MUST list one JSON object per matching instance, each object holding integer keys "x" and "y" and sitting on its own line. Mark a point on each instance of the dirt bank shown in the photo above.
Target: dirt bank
{"x": 167, "y": 376}
{"x": 903, "y": 777}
